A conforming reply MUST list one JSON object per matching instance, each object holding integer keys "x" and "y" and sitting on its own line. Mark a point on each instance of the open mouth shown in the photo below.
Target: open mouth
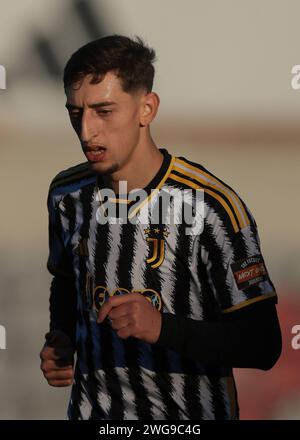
{"x": 95, "y": 154}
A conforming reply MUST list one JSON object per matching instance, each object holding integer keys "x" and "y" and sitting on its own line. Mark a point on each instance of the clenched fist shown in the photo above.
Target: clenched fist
{"x": 132, "y": 315}
{"x": 57, "y": 359}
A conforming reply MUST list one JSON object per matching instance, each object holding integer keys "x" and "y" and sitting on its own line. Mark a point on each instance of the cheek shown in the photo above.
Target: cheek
{"x": 128, "y": 121}
{"x": 125, "y": 127}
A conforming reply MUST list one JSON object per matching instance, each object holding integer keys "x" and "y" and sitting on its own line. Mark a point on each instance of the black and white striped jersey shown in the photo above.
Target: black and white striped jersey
{"x": 197, "y": 272}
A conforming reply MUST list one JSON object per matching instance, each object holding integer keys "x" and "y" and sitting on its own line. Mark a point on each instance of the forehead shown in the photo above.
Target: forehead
{"x": 84, "y": 92}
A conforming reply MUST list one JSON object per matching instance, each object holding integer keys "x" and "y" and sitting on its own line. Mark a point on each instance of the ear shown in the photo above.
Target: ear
{"x": 149, "y": 107}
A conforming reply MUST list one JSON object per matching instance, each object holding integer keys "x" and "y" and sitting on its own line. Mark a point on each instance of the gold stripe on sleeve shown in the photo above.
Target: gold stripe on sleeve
{"x": 208, "y": 180}
{"x": 249, "y": 301}
{"x": 208, "y": 191}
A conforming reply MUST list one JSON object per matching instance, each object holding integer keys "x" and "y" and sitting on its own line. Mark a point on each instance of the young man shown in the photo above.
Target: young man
{"x": 158, "y": 314}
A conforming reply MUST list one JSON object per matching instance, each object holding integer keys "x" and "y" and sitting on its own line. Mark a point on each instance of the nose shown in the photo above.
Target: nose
{"x": 88, "y": 127}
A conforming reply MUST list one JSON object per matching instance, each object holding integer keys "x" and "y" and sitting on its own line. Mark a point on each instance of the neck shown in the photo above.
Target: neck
{"x": 140, "y": 170}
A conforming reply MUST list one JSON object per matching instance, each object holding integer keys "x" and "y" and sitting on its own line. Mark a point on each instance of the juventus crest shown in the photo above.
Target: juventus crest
{"x": 156, "y": 241}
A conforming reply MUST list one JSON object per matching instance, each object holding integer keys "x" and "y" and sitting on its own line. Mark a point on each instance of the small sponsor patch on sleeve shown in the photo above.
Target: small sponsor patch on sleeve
{"x": 249, "y": 271}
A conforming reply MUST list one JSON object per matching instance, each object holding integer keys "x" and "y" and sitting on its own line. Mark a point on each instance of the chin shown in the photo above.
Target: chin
{"x": 104, "y": 169}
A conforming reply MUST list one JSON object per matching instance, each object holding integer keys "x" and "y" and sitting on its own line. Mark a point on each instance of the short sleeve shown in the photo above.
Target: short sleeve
{"x": 58, "y": 260}
{"x": 234, "y": 264}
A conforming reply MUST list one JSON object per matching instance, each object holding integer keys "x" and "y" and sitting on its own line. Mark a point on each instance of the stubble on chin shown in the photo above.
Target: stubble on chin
{"x": 104, "y": 171}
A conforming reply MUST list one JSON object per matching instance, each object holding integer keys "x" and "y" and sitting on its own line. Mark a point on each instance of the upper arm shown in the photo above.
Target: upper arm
{"x": 58, "y": 260}
{"x": 233, "y": 261}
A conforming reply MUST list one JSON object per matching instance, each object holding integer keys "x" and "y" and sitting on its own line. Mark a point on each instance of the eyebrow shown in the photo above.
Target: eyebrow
{"x": 96, "y": 105}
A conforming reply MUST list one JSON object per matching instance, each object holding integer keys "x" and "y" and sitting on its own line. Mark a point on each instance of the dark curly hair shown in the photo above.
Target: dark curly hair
{"x": 131, "y": 60}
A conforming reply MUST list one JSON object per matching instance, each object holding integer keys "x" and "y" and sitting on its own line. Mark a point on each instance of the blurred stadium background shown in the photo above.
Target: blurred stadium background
{"x": 224, "y": 78}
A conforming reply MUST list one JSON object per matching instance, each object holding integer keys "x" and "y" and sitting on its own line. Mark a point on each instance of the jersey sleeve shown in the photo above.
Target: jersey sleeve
{"x": 58, "y": 260}
{"x": 234, "y": 264}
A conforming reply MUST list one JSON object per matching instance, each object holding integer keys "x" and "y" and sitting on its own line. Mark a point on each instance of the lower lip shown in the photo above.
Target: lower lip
{"x": 95, "y": 157}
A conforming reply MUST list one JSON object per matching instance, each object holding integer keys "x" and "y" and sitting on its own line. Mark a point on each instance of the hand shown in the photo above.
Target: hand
{"x": 132, "y": 315}
{"x": 57, "y": 359}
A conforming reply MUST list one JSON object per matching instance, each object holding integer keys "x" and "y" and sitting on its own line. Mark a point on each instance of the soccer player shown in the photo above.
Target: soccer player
{"x": 156, "y": 308}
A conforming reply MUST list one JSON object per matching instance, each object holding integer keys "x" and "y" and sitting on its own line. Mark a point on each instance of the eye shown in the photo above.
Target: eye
{"x": 103, "y": 112}
{"x": 74, "y": 114}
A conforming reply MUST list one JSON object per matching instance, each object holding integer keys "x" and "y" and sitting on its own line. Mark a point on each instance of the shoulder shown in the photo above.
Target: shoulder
{"x": 220, "y": 199}
{"x": 68, "y": 182}
{"x": 72, "y": 179}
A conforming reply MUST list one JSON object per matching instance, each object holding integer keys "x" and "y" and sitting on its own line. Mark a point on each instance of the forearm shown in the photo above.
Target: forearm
{"x": 63, "y": 306}
{"x": 248, "y": 339}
